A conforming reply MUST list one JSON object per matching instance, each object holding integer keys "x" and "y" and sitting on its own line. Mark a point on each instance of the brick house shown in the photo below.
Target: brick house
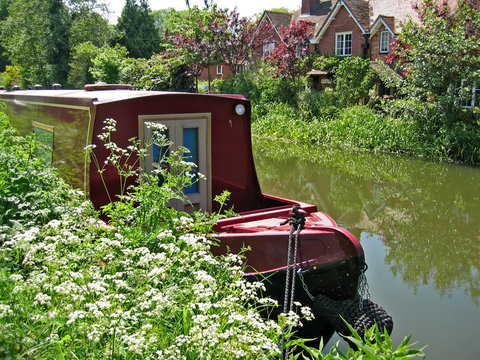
{"x": 269, "y": 25}
{"x": 219, "y": 71}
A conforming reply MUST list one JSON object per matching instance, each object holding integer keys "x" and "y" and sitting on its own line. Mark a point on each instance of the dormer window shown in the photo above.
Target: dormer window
{"x": 343, "y": 44}
{"x": 384, "y": 42}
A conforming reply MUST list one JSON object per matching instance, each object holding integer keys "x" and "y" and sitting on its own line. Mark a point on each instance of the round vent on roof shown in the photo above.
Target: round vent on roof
{"x": 104, "y": 86}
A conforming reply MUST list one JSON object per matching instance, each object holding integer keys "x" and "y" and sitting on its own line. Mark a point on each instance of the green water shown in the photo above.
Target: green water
{"x": 419, "y": 224}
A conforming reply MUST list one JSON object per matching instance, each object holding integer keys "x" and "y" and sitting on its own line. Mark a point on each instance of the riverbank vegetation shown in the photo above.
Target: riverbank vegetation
{"x": 143, "y": 286}
{"x": 434, "y": 59}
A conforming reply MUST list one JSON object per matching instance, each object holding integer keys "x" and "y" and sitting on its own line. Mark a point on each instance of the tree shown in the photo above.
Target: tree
{"x": 109, "y": 63}
{"x": 59, "y": 41}
{"x": 441, "y": 51}
{"x": 90, "y": 26}
{"x": 35, "y": 35}
{"x": 26, "y": 41}
{"x": 197, "y": 41}
{"x": 238, "y": 37}
{"x": 212, "y": 36}
{"x": 137, "y": 29}
{"x": 354, "y": 78}
{"x": 4, "y": 61}
{"x": 290, "y": 56}
{"x": 80, "y": 64}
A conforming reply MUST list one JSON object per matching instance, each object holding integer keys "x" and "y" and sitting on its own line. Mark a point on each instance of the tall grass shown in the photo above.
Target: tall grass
{"x": 408, "y": 127}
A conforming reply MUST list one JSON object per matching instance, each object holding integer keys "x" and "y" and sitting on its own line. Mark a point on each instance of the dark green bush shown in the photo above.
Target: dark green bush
{"x": 243, "y": 83}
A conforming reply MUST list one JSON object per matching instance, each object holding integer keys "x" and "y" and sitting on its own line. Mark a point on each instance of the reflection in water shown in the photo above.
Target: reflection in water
{"x": 425, "y": 214}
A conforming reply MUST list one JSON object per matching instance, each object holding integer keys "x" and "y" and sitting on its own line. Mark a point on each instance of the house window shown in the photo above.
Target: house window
{"x": 384, "y": 42}
{"x": 219, "y": 69}
{"x": 268, "y": 49}
{"x": 474, "y": 100}
{"x": 43, "y": 135}
{"x": 343, "y": 44}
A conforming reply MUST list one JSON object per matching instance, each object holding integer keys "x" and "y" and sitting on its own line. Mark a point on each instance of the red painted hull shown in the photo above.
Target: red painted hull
{"x": 330, "y": 258}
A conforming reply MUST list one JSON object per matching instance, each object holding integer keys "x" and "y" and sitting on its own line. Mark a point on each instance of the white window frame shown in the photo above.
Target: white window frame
{"x": 219, "y": 69}
{"x": 176, "y": 123}
{"x": 384, "y": 42}
{"x": 474, "y": 101}
{"x": 268, "y": 48}
{"x": 341, "y": 41}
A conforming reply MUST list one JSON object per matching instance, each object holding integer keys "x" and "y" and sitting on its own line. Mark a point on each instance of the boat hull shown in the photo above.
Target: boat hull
{"x": 329, "y": 260}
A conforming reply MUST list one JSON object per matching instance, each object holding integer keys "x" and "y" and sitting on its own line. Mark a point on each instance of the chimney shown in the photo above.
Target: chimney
{"x": 307, "y": 6}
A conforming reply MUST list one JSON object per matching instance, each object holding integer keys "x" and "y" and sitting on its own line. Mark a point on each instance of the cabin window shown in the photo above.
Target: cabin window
{"x": 343, "y": 44}
{"x": 43, "y": 135}
{"x": 190, "y": 141}
{"x": 191, "y": 132}
{"x": 219, "y": 70}
{"x": 384, "y": 42}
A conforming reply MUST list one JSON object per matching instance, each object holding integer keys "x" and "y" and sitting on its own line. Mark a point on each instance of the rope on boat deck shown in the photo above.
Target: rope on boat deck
{"x": 297, "y": 223}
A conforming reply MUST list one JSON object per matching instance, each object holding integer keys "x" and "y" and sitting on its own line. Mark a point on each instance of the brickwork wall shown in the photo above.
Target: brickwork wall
{"x": 342, "y": 23}
{"x": 227, "y": 71}
{"x": 375, "y": 45}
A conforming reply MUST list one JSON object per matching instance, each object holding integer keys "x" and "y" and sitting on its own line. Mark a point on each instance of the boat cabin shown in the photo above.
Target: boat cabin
{"x": 215, "y": 128}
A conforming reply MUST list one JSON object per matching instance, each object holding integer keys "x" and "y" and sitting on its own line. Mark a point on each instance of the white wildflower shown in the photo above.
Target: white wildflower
{"x": 42, "y": 299}
{"x": 16, "y": 277}
{"x": 73, "y": 316}
{"x": 90, "y": 147}
{"x": 5, "y": 310}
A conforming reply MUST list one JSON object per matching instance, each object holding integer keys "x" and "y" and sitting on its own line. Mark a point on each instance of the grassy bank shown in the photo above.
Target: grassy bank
{"x": 282, "y": 108}
{"x": 406, "y": 127}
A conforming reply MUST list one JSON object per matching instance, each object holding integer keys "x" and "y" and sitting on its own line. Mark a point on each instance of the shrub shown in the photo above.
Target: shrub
{"x": 108, "y": 64}
{"x": 11, "y": 77}
{"x": 243, "y": 83}
{"x": 354, "y": 78}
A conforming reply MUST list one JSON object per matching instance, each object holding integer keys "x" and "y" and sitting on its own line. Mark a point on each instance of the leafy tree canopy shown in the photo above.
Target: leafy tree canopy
{"x": 109, "y": 63}
{"x": 137, "y": 29}
{"x": 442, "y": 50}
{"x": 35, "y": 36}
{"x": 290, "y": 54}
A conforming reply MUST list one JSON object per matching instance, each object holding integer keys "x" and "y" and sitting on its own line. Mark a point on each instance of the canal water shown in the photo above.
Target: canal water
{"x": 418, "y": 222}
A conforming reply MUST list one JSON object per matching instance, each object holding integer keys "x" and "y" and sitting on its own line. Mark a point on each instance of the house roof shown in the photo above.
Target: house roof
{"x": 387, "y": 21}
{"x": 276, "y": 19}
{"x": 279, "y": 18}
{"x": 360, "y": 10}
{"x": 357, "y": 9}
{"x": 317, "y": 15}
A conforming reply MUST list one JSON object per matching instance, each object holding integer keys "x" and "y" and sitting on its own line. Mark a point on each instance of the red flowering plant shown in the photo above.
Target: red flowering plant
{"x": 290, "y": 55}
{"x": 214, "y": 36}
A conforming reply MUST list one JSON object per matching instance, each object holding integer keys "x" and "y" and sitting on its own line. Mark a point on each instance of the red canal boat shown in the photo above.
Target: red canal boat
{"x": 217, "y": 129}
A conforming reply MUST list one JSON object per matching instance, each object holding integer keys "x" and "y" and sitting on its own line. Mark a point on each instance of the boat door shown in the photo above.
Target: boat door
{"x": 191, "y": 131}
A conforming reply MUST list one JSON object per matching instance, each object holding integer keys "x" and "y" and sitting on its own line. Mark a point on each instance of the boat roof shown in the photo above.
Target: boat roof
{"x": 106, "y": 96}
